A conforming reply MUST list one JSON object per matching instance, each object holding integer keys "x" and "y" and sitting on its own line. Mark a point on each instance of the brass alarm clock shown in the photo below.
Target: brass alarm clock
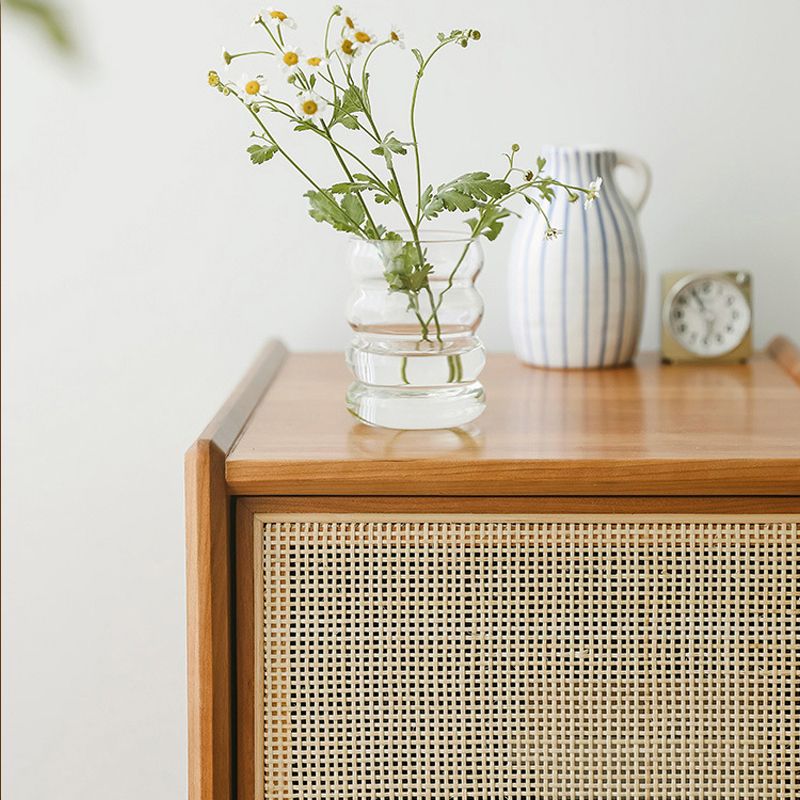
{"x": 706, "y": 317}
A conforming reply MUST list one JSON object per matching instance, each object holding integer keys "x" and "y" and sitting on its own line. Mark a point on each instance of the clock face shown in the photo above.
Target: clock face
{"x": 709, "y": 316}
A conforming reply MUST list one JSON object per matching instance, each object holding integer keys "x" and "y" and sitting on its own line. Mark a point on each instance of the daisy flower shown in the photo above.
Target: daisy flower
{"x": 314, "y": 63}
{"x": 251, "y": 86}
{"x": 396, "y": 37}
{"x": 350, "y": 22}
{"x": 593, "y": 190}
{"x": 349, "y": 50}
{"x": 311, "y": 106}
{"x": 292, "y": 58}
{"x": 279, "y": 16}
{"x": 363, "y": 37}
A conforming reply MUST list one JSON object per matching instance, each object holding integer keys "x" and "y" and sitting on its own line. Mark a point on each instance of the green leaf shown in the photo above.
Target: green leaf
{"x": 350, "y": 103}
{"x": 259, "y": 153}
{"x": 390, "y": 145}
{"x": 354, "y": 208}
{"x": 323, "y": 208}
{"x": 489, "y": 222}
{"x": 540, "y": 162}
{"x": 352, "y": 99}
{"x": 348, "y": 121}
{"x": 347, "y": 186}
{"x": 426, "y": 197}
{"x": 404, "y": 273}
{"x": 465, "y": 193}
{"x": 418, "y": 56}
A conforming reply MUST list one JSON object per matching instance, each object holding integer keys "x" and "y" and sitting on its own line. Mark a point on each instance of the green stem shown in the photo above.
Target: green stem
{"x": 452, "y": 276}
{"x": 231, "y": 56}
{"x": 349, "y": 174}
{"x": 413, "y": 121}
{"x": 266, "y": 28}
{"x": 299, "y": 168}
{"x": 413, "y": 227}
{"x": 364, "y": 66}
{"x": 403, "y": 370}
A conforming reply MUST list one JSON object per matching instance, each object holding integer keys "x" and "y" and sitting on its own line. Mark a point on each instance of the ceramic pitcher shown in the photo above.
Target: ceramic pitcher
{"x": 577, "y": 300}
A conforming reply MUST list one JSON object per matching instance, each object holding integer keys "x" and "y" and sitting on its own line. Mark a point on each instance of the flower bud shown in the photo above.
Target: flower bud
{"x": 529, "y": 175}
{"x": 337, "y": 9}
{"x": 515, "y": 148}
{"x": 463, "y": 42}
{"x": 476, "y": 35}
{"x": 213, "y": 78}
{"x": 226, "y": 57}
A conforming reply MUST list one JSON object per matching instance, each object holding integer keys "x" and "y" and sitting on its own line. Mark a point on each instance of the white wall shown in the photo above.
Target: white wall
{"x": 145, "y": 260}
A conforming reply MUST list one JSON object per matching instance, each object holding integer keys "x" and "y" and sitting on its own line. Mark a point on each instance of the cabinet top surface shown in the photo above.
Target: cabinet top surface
{"x": 648, "y": 429}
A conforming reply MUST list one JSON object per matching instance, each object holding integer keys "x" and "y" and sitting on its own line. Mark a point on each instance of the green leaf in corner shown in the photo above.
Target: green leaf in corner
{"x": 259, "y": 153}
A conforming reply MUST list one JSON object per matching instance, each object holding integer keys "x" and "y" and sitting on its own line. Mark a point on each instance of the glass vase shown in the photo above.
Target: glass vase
{"x": 414, "y": 354}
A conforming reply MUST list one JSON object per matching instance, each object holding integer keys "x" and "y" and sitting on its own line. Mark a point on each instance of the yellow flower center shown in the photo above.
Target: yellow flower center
{"x": 394, "y": 37}
{"x": 279, "y": 15}
{"x": 314, "y": 61}
{"x": 310, "y": 107}
{"x": 252, "y": 87}
{"x": 349, "y": 22}
{"x": 290, "y": 58}
{"x": 348, "y": 48}
{"x": 213, "y": 79}
{"x": 363, "y": 37}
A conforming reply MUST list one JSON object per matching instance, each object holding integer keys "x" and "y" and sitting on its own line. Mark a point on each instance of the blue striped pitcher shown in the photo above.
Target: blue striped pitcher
{"x": 577, "y": 301}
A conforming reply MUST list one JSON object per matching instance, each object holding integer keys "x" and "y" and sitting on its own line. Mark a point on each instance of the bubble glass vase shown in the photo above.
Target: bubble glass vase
{"x": 414, "y": 355}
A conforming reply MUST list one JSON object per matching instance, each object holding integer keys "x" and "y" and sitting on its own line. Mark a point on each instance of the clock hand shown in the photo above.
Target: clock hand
{"x": 699, "y": 301}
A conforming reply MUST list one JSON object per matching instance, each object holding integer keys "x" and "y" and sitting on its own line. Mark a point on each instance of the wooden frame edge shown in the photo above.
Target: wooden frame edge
{"x": 209, "y": 586}
{"x": 787, "y": 354}
{"x": 532, "y": 504}
{"x": 248, "y": 597}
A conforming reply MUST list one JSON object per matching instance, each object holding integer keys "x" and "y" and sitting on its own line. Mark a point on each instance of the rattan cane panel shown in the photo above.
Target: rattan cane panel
{"x": 499, "y": 660}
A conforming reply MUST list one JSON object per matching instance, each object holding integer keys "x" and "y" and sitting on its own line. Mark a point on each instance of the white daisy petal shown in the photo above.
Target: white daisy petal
{"x": 310, "y": 106}
{"x": 314, "y": 63}
{"x": 396, "y": 37}
{"x": 250, "y": 87}
{"x": 592, "y": 191}
{"x": 292, "y": 58}
{"x": 349, "y": 49}
{"x": 279, "y": 17}
{"x": 350, "y": 22}
{"x": 364, "y": 37}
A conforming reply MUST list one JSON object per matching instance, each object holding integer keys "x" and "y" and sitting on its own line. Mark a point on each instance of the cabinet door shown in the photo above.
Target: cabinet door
{"x": 424, "y": 656}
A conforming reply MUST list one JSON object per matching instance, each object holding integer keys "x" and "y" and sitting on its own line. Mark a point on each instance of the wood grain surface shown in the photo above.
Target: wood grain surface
{"x": 209, "y": 629}
{"x": 650, "y": 430}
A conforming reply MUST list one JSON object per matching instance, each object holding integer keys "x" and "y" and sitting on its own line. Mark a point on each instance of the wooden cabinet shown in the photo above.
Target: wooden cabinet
{"x": 594, "y": 591}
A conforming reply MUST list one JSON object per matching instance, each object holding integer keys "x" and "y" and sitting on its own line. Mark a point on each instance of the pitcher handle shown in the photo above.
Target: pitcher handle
{"x": 643, "y": 171}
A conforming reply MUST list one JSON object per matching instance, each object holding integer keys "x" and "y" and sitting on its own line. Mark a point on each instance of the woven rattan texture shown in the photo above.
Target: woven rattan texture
{"x": 501, "y": 660}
